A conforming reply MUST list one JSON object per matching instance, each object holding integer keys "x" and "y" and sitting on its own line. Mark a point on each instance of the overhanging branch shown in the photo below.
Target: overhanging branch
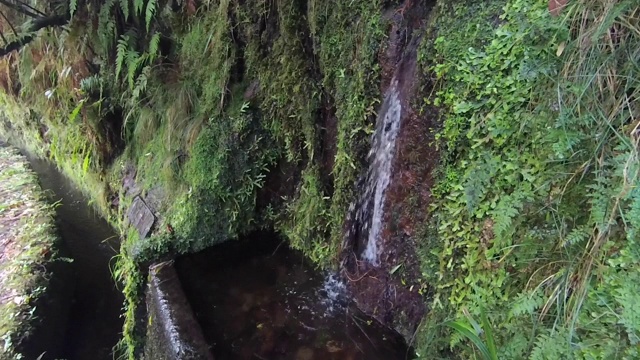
{"x": 19, "y": 8}
{"x": 37, "y": 24}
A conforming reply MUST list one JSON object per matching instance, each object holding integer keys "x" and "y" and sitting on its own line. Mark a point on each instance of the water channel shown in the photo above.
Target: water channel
{"x": 94, "y": 323}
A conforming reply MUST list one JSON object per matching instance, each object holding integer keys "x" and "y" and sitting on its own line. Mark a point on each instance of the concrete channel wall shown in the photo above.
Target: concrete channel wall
{"x": 172, "y": 330}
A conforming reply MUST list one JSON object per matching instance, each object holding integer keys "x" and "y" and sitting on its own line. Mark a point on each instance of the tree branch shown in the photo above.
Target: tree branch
{"x": 19, "y": 8}
{"x": 22, "y": 3}
{"x": 9, "y": 22}
{"x": 39, "y": 23}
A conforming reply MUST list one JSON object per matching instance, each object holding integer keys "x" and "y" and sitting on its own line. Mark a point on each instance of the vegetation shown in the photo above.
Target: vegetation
{"x": 536, "y": 212}
{"x": 206, "y": 101}
{"x": 28, "y": 242}
{"x": 258, "y": 113}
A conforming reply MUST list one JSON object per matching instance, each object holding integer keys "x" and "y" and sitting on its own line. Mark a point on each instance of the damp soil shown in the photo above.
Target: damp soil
{"x": 257, "y": 299}
{"x": 94, "y": 323}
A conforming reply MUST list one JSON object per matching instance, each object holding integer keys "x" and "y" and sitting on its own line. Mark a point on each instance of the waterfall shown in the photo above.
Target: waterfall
{"x": 370, "y": 208}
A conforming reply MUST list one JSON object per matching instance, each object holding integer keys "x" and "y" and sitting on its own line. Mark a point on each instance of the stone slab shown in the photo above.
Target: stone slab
{"x": 141, "y": 217}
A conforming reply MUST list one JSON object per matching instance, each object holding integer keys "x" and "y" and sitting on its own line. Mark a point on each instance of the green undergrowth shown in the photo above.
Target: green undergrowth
{"x": 535, "y": 217}
{"x": 29, "y": 242}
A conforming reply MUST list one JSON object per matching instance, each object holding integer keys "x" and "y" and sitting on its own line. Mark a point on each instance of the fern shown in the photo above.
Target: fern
{"x": 577, "y": 235}
{"x": 552, "y": 347}
{"x": 526, "y": 304}
{"x": 633, "y": 231}
{"x": 151, "y": 10}
{"x": 91, "y": 84}
{"x": 154, "y": 44}
{"x": 134, "y": 60}
{"x": 141, "y": 82}
{"x": 124, "y": 6}
{"x": 121, "y": 52}
{"x": 138, "y": 6}
{"x": 106, "y": 25}
{"x": 73, "y": 7}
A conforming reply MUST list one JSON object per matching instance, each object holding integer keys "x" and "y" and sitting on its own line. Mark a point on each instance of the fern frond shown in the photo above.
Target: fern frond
{"x": 73, "y": 6}
{"x": 91, "y": 84}
{"x": 577, "y": 235}
{"x": 141, "y": 82}
{"x": 121, "y": 52}
{"x": 106, "y": 25}
{"x": 134, "y": 60}
{"x": 151, "y": 11}
{"x": 138, "y": 5}
{"x": 154, "y": 44}
{"x": 124, "y": 6}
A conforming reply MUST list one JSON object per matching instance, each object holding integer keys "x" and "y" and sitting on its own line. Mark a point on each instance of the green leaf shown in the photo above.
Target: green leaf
{"x": 121, "y": 52}
{"x": 154, "y": 44}
{"x": 138, "y": 5}
{"x": 465, "y": 330}
{"x": 124, "y": 6}
{"x": 395, "y": 268}
{"x": 76, "y": 111}
{"x": 488, "y": 334}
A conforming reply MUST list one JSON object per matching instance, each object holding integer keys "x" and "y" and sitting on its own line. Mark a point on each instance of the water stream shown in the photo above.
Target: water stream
{"x": 257, "y": 299}
{"x": 369, "y": 212}
{"x": 94, "y": 323}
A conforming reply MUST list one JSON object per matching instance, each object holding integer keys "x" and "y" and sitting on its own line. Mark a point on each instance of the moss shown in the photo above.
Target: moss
{"x": 29, "y": 245}
{"x": 226, "y": 167}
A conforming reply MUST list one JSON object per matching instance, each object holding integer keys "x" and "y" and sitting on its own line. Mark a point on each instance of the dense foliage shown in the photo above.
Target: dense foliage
{"x": 536, "y": 215}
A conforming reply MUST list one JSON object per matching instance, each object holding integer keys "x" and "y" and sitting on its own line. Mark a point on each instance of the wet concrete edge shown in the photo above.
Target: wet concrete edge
{"x": 172, "y": 331}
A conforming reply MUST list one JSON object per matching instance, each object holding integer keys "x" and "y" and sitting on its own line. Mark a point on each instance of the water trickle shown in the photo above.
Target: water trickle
{"x": 370, "y": 209}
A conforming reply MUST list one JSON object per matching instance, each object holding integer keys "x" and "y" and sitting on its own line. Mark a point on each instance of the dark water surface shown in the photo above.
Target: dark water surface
{"x": 257, "y": 299}
{"x": 94, "y": 323}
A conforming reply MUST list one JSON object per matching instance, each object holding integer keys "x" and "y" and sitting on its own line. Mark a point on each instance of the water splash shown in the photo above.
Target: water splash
{"x": 370, "y": 209}
{"x": 333, "y": 293}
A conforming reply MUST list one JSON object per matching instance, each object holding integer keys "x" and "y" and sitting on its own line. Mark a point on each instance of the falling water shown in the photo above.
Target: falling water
{"x": 370, "y": 209}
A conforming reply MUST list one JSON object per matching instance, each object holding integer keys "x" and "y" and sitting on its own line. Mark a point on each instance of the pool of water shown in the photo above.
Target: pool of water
{"x": 257, "y": 299}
